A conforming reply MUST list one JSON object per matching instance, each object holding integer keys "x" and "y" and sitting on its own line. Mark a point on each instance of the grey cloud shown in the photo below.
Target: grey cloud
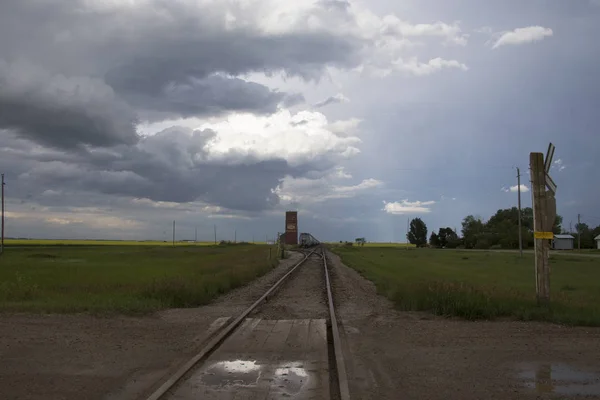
{"x": 212, "y": 95}
{"x": 103, "y": 65}
{"x": 339, "y": 5}
{"x": 170, "y": 166}
{"x": 336, "y": 99}
{"x": 165, "y": 61}
{"x": 62, "y": 111}
{"x": 293, "y": 99}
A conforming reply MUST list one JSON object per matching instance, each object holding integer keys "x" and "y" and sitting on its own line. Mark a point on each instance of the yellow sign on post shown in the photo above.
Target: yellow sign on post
{"x": 543, "y": 235}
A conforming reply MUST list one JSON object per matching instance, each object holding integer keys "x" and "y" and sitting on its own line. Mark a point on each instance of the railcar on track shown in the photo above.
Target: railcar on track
{"x": 307, "y": 240}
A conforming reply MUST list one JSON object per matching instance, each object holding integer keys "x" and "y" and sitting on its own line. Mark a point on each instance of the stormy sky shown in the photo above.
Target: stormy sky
{"x": 119, "y": 116}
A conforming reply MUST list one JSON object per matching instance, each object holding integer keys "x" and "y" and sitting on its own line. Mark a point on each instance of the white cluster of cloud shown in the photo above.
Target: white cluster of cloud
{"x": 523, "y": 35}
{"x": 407, "y": 207}
{"x": 559, "y": 164}
{"x": 299, "y": 139}
{"x": 301, "y": 192}
{"x": 515, "y": 188}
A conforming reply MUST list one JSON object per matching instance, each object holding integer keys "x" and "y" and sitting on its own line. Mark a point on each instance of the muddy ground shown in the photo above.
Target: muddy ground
{"x": 389, "y": 354}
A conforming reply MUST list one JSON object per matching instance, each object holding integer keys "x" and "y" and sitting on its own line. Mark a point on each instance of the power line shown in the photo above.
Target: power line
{"x": 519, "y": 190}
{"x": 2, "y": 234}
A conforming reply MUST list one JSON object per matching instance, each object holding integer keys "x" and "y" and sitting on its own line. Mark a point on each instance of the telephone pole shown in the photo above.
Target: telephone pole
{"x": 2, "y": 235}
{"x": 215, "y": 226}
{"x": 520, "y": 232}
{"x": 173, "y": 233}
{"x": 579, "y": 232}
{"x": 196, "y": 235}
{"x": 235, "y": 236}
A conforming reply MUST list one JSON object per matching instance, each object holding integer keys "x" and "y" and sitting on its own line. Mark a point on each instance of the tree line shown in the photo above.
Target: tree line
{"x": 500, "y": 231}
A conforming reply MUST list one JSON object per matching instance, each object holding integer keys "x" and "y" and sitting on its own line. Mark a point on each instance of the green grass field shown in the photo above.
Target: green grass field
{"x": 378, "y": 244}
{"x": 480, "y": 285}
{"x": 51, "y": 242}
{"x": 127, "y": 279}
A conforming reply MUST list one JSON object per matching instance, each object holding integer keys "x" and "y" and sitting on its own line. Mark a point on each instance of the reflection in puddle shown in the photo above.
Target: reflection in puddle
{"x": 559, "y": 378}
{"x": 232, "y": 373}
{"x": 290, "y": 378}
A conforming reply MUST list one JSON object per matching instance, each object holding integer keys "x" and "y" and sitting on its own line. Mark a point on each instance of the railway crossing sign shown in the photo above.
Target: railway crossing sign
{"x": 550, "y": 213}
{"x": 547, "y": 165}
{"x": 549, "y": 157}
{"x": 550, "y": 184}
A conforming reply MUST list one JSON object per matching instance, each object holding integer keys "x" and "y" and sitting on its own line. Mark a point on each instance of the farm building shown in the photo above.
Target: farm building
{"x": 597, "y": 239}
{"x": 563, "y": 242}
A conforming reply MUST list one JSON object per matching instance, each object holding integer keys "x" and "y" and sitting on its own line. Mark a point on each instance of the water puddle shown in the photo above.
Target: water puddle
{"x": 232, "y": 373}
{"x": 290, "y": 379}
{"x": 546, "y": 378}
{"x": 287, "y": 379}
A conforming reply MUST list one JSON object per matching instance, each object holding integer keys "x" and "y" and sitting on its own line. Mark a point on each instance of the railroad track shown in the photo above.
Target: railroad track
{"x": 239, "y": 331}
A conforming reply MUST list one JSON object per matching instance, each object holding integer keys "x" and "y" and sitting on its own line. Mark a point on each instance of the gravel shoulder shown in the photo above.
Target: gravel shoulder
{"x": 406, "y": 355}
{"x": 85, "y": 357}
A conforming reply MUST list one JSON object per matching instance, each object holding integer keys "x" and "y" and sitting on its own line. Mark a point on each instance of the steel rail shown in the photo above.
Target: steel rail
{"x": 335, "y": 333}
{"x": 220, "y": 337}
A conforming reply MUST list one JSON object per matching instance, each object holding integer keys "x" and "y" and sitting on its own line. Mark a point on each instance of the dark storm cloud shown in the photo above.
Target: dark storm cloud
{"x": 170, "y": 166}
{"x": 100, "y": 66}
{"x": 61, "y": 111}
{"x": 176, "y": 60}
{"x": 210, "y": 96}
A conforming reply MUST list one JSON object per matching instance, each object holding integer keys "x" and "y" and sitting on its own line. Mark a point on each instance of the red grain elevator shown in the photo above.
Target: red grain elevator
{"x": 291, "y": 227}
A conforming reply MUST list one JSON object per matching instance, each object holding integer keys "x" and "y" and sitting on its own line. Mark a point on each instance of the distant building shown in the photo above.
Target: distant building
{"x": 291, "y": 227}
{"x": 597, "y": 239}
{"x": 563, "y": 242}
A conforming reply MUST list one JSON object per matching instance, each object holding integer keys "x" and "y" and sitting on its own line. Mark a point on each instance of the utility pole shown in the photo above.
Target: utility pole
{"x": 196, "y": 235}
{"x": 215, "y": 226}
{"x": 2, "y": 235}
{"x": 579, "y": 232}
{"x": 520, "y": 232}
{"x": 173, "y": 233}
{"x": 235, "y": 236}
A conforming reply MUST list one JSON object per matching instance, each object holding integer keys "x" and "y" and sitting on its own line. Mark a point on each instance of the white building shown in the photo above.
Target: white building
{"x": 597, "y": 239}
{"x": 563, "y": 242}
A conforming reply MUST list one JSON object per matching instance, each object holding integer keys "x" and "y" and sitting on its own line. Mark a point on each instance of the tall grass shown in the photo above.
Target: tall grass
{"x": 474, "y": 285}
{"x": 62, "y": 242}
{"x": 124, "y": 278}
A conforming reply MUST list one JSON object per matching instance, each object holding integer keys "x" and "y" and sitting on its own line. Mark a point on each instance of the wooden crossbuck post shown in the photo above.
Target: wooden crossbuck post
{"x": 542, "y": 278}
{"x": 544, "y": 215}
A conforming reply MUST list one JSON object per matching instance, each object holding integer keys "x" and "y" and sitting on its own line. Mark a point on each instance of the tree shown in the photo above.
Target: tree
{"x": 446, "y": 235}
{"x": 472, "y": 230}
{"x": 502, "y": 229}
{"x": 417, "y": 234}
{"x": 434, "y": 240}
{"x": 595, "y": 233}
{"x": 557, "y": 224}
{"x": 587, "y": 235}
